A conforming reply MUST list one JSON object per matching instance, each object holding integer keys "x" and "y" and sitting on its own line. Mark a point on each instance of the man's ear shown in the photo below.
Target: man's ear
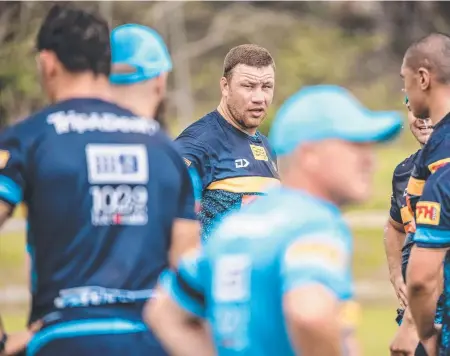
{"x": 424, "y": 78}
{"x": 161, "y": 84}
{"x": 48, "y": 63}
{"x": 224, "y": 86}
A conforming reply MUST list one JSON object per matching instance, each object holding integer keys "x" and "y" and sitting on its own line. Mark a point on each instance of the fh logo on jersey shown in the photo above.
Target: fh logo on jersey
{"x": 241, "y": 163}
{"x": 121, "y": 166}
{"x": 428, "y": 213}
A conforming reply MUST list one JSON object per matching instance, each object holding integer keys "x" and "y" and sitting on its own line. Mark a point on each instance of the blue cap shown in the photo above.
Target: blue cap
{"x": 328, "y": 111}
{"x": 141, "y": 48}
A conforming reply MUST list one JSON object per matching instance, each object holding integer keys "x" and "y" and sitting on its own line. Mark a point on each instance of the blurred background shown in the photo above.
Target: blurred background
{"x": 355, "y": 44}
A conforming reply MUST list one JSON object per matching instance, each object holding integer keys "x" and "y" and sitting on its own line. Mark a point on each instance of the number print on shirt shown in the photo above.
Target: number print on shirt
{"x": 232, "y": 279}
{"x": 127, "y": 166}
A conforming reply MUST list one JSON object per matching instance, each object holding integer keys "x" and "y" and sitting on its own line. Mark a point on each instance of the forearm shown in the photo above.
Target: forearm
{"x": 422, "y": 303}
{"x": 188, "y": 340}
{"x": 324, "y": 339}
{"x": 393, "y": 243}
{"x": 185, "y": 237}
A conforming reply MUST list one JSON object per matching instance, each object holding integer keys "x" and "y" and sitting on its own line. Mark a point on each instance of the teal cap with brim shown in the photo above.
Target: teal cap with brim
{"x": 323, "y": 112}
{"x": 141, "y": 49}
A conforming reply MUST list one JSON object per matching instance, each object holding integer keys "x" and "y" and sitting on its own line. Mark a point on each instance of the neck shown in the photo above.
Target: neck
{"x": 304, "y": 183}
{"x": 134, "y": 100}
{"x": 85, "y": 86}
{"x": 440, "y": 106}
{"x": 223, "y": 110}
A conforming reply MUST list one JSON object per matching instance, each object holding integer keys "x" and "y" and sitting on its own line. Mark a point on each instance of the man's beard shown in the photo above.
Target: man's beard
{"x": 240, "y": 119}
{"x": 160, "y": 115}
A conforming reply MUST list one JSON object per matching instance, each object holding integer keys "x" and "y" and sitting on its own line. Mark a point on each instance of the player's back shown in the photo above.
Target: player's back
{"x": 102, "y": 189}
{"x": 247, "y": 261}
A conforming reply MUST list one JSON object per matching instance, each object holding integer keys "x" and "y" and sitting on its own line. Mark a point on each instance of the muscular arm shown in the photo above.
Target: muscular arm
{"x": 394, "y": 237}
{"x": 312, "y": 317}
{"x": 179, "y": 332}
{"x": 424, "y": 287}
{"x": 185, "y": 236}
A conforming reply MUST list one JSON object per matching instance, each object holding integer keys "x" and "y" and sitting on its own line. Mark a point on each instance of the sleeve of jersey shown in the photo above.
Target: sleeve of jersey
{"x": 195, "y": 155}
{"x": 394, "y": 211}
{"x": 323, "y": 258}
{"x": 432, "y": 212}
{"x": 12, "y": 166}
{"x": 185, "y": 285}
{"x": 188, "y": 203}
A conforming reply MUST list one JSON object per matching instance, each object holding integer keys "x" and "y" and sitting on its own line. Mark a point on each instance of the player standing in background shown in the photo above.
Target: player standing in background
{"x": 140, "y": 66}
{"x": 275, "y": 278}
{"x": 426, "y": 75}
{"x": 232, "y": 158}
{"x": 431, "y": 251}
{"x": 398, "y": 244}
{"x": 106, "y": 191}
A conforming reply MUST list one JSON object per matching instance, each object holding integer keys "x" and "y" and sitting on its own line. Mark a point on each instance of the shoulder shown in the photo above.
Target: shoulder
{"x": 27, "y": 128}
{"x": 406, "y": 166}
{"x": 438, "y": 184}
{"x": 203, "y": 131}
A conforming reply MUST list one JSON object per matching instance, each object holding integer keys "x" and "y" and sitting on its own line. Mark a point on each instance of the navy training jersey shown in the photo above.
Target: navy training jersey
{"x": 233, "y": 166}
{"x": 434, "y": 155}
{"x": 399, "y": 211}
{"x": 433, "y": 231}
{"x": 270, "y": 247}
{"x": 102, "y": 188}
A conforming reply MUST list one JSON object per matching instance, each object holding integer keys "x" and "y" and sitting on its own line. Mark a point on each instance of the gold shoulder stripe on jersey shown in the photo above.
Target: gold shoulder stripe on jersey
{"x": 433, "y": 167}
{"x": 244, "y": 184}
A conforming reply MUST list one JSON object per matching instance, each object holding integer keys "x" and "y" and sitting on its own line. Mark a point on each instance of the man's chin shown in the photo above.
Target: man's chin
{"x": 254, "y": 123}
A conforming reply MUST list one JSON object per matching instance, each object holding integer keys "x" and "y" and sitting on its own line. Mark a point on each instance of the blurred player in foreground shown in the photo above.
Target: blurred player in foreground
{"x": 107, "y": 197}
{"x": 398, "y": 243}
{"x": 140, "y": 66}
{"x": 15, "y": 344}
{"x": 233, "y": 159}
{"x": 275, "y": 278}
{"x": 426, "y": 74}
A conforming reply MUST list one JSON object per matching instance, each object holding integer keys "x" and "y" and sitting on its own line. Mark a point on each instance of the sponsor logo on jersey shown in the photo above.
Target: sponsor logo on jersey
{"x": 115, "y": 163}
{"x": 428, "y": 213}
{"x": 259, "y": 153}
{"x": 241, "y": 163}
{"x": 4, "y": 158}
{"x": 118, "y": 175}
{"x": 71, "y": 121}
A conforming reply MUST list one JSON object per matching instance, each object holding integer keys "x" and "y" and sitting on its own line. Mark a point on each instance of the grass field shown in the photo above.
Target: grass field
{"x": 377, "y": 325}
{"x": 375, "y": 332}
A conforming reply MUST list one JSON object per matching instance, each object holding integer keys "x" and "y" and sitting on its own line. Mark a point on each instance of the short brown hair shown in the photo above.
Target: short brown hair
{"x": 433, "y": 53}
{"x": 251, "y": 55}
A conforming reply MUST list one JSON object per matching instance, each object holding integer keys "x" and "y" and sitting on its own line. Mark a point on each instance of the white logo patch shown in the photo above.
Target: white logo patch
{"x": 109, "y": 164}
{"x": 241, "y": 163}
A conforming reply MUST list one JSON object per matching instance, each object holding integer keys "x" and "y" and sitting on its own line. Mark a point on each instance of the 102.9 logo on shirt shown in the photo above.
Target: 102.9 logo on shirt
{"x": 118, "y": 175}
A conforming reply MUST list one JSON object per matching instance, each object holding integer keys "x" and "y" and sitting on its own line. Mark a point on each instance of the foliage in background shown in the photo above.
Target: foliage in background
{"x": 355, "y": 44}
